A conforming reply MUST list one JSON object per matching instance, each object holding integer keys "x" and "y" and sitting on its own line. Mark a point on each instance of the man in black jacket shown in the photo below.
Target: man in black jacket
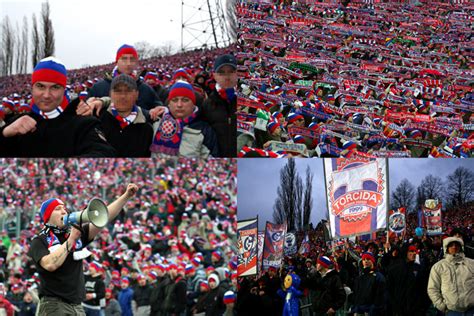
{"x": 330, "y": 294}
{"x": 141, "y": 295}
{"x": 126, "y": 63}
{"x": 219, "y": 109}
{"x": 407, "y": 283}
{"x": 53, "y": 129}
{"x": 124, "y": 123}
{"x": 157, "y": 295}
{"x": 95, "y": 290}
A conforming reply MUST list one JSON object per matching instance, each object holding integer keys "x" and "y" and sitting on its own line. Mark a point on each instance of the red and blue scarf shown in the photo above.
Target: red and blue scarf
{"x": 226, "y": 94}
{"x": 170, "y": 133}
{"x": 54, "y": 113}
{"x": 125, "y": 121}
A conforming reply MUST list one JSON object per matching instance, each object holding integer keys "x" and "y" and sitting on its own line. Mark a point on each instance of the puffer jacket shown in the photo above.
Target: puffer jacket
{"x": 451, "y": 283}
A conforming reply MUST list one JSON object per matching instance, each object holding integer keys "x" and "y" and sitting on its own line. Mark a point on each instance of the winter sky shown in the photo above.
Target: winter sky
{"x": 88, "y": 32}
{"x": 258, "y": 180}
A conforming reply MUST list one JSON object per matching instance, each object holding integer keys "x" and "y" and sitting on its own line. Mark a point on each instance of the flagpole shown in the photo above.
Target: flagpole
{"x": 257, "y": 247}
{"x": 387, "y": 169}
{"x": 326, "y": 193}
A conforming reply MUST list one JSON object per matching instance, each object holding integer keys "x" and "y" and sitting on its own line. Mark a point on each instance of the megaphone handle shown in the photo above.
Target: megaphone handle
{"x": 78, "y": 227}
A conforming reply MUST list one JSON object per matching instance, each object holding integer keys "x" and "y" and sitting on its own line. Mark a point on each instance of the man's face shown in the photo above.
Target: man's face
{"x": 411, "y": 255}
{"x": 142, "y": 282}
{"x": 226, "y": 77}
{"x": 367, "y": 263}
{"x": 181, "y": 107}
{"x": 28, "y": 298}
{"x": 299, "y": 123}
{"x": 57, "y": 216}
{"x": 123, "y": 98}
{"x": 212, "y": 284}
{"x": 47, "y": 95}
{"x": 127, "y": 63}
{"x": 124, "y": 285}
{"x": 453, "y": 248}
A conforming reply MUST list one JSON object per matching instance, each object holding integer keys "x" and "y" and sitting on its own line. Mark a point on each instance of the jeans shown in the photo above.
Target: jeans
{"x": 469, "y": 312}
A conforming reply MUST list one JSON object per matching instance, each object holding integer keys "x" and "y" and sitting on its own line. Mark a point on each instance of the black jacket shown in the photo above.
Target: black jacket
{"x": 141, "y": 295}
{"x": 407, "y": 284}
{"x": 221, "y": 115}
{"x": 132, "y": 141}
{"x": 67, "y": 135}
{"x": 147, "y": 98}
{"x": 369, "y": 290}
{"x": 329, "y": 292}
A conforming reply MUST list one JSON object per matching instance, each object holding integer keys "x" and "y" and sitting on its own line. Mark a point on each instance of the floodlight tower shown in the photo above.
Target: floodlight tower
{"x": 203, "y": 24}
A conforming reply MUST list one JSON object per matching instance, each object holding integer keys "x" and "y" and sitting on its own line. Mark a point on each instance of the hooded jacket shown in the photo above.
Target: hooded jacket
{"x": 451, "y": 283}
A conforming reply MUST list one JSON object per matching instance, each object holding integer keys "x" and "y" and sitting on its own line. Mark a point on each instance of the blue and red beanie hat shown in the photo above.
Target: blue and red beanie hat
{"x": 126, "y": 49}
{"x": 181, "y": 72}
{"x": 50, "y": 69}
{"x": 229, "y": 297}
{"x": 48, "y": 207}
{"x": 325, "y": 262}
{"x": 182, "y": 89}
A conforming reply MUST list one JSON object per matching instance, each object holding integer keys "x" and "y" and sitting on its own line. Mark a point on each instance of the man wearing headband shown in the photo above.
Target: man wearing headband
{"x": 57, "y": 252}
{"x": 53, "y": 129}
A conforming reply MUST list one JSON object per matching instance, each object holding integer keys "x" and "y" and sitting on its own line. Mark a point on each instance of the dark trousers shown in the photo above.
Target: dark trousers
{"x": 57, "y": 307}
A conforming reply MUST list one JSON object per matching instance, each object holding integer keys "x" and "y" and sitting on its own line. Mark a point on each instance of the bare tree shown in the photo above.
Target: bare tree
{"x": 298, "y": 203}
{"x": 17, "y": 49}
{"x": 35, "y": 42}
{"x": 308, "y": 198}
{"x": 232, "y": 22}
{"x": 431, "y": 187}
{"x": 404, "y": 196}
{"x": 284, "y": 209}
{"x": 48, "y": 31}
{"x": 168, "y": 48}
{"x": 8, "y": 47}
{"x": 460, "y": 187}
{"x": 24, "y": 46}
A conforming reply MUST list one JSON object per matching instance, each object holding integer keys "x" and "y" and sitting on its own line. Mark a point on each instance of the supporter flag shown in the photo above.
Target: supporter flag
{"x": 261, "y": 241}
{"x": 247, "y": 241}
{"x": 290, "y": 244}
{"x": 304, "y": 247}
{"x": 357, "y": 195}
{"x": 396, "y": 222}
{"x": 273, "y": 245}
{"x": 432, "y": 215}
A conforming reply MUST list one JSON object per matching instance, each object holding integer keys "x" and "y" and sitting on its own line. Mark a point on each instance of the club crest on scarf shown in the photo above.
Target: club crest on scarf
{"x": 170, "y": 132}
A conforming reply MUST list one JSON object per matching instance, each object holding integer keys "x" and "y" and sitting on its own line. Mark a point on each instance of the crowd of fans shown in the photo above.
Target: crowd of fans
{"x": 18, "y": 87}
{"x": 180, "y": 228}
{"x": 142, "y": 108}
{"x": 391, "y": 79}
{"x": 332, "y": 272}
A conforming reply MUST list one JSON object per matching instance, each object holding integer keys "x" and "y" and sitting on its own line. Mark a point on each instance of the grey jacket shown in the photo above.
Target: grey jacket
{"x": 113, "y": 308}
{"x": 451, "y": 283}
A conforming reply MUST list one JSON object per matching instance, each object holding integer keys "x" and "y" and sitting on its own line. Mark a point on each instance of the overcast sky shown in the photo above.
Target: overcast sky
{"x": 258, "y": 180}
{"x": 88, "y": 32}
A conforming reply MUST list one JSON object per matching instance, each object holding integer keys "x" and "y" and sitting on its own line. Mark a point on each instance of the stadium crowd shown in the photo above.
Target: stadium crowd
{"x": 171, "y": 253}
{"x": 364, "y": 276}
{"x": 325, "y": 79}
{"x": 155, "y": 120}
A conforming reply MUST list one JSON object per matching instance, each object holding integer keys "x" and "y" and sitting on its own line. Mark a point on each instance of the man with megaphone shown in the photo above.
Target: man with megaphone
{"x": 59, "y": 248}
